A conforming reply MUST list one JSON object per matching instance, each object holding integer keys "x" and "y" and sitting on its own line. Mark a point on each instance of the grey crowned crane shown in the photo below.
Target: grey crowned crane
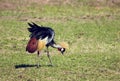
{"x": 40, "y": 37}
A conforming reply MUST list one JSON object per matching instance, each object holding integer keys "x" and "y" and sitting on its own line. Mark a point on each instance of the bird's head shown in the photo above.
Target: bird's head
{"x": 63, "y": 48}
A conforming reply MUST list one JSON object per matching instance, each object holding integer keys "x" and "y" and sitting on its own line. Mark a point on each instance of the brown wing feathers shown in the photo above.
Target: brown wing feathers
{"x": 32, "y": 45}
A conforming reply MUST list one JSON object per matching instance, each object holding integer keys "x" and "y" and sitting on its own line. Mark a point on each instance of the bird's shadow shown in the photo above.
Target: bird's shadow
{"x": 29, "y": 66}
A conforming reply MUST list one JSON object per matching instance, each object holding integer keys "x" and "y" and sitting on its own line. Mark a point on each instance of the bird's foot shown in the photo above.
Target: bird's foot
{"x": 38, "y": 65}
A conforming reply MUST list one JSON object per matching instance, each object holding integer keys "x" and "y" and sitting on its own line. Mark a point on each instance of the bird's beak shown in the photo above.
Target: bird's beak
{"x": 62, "y": 53}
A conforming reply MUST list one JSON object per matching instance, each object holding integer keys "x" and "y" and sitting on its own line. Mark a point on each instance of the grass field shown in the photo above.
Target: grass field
{"x": 92, "y": 31}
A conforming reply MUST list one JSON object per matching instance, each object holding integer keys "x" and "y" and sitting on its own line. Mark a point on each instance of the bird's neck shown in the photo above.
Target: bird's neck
{"x": 56, "y": 46}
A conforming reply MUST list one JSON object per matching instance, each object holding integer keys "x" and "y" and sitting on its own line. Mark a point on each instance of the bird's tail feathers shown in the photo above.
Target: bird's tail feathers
{"x": 33, "y": 27}
{"x": 33, "y": 24}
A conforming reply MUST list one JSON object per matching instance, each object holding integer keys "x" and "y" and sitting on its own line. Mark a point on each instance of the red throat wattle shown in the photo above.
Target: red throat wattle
{"x": 59, "y": 49}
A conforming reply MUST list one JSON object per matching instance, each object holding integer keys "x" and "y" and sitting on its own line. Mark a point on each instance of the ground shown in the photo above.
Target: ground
{"x": 91, "y": 27}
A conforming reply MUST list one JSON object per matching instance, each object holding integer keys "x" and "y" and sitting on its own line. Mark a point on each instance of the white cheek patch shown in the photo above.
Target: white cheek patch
{"x": 62, "y": 49}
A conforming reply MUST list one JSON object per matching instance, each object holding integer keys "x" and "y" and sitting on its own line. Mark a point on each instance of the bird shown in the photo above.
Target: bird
{"x": 41, "y": 37}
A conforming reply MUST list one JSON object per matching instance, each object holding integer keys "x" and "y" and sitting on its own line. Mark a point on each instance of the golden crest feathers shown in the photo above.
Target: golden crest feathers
{"x": 64, "y": 45}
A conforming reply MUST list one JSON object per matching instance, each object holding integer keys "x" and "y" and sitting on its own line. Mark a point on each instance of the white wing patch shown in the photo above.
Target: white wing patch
{"x": 45, "y": 40}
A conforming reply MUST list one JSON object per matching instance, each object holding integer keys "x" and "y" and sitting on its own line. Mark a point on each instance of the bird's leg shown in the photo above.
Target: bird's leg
{"x": 48, "y": 55}
{"x": 38, "y": 55}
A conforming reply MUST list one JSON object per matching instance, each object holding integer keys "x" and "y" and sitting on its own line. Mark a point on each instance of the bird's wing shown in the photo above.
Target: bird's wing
{"x": 41, "y": 32}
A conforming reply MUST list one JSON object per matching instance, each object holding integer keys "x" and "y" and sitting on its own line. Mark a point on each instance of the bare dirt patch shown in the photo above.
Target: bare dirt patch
{"x": 7, "y": 5}
{"x": 102, "y": 3}
{"x": 13, "y": 4}
{"x": 53, "y": 2}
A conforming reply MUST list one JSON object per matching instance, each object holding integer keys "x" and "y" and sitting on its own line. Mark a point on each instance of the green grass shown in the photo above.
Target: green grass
{"x": 93, "y": 35}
